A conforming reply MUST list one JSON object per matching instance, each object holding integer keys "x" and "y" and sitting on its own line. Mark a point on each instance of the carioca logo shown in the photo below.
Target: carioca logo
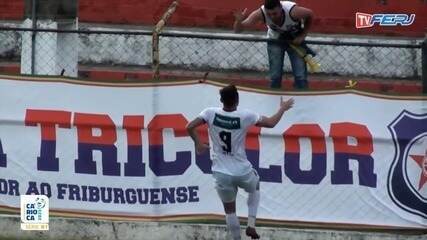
{"x": 409, "y": 191}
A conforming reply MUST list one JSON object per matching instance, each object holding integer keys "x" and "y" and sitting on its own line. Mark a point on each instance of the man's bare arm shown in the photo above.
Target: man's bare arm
{"x": 305, "y": 15}
{"x": 191, "y": 129}
{"x": 242, "y": 22}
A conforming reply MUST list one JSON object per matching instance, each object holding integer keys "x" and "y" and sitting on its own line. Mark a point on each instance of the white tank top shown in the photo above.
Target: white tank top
{"x": 289, "y": 29}
{"x": 227, "y": 131}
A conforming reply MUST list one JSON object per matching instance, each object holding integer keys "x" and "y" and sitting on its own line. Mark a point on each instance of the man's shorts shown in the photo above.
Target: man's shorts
{"x": 226, "y": 185}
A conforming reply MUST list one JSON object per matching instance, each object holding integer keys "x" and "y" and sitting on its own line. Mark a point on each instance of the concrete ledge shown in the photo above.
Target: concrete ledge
{"x": 88, "y": 229}
{"x": 318, "y": 82}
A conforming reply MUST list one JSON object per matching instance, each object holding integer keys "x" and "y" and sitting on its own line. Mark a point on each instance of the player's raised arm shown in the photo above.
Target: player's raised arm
{"x": 271, "y": 122}
{"x": 241, "y": 21}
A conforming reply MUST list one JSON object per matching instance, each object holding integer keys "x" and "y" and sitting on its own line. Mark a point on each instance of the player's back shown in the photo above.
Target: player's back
{"x": 227, "y": 131}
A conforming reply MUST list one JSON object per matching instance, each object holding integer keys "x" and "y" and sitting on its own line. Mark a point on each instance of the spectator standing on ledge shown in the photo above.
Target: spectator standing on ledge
{"x": 287, "y": 24}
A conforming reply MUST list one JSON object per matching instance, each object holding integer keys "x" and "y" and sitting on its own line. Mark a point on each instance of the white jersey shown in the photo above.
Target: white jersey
{"x": 227, "y": 131}
{"x": 289, "y": 26}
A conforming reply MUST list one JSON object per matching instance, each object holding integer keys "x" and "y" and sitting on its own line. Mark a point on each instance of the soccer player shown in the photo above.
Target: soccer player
{"x": 230, "y": 167}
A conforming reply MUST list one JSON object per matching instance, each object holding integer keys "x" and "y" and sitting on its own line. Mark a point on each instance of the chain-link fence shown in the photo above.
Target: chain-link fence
{"x": 81, "y": 54}
{"x": 127, "y": 55}
{"x": 222, "y": 53}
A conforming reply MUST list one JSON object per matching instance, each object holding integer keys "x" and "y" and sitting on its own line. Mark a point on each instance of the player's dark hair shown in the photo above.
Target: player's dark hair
{"x": 229, "y": 95}
{"x": 271, "y": 4}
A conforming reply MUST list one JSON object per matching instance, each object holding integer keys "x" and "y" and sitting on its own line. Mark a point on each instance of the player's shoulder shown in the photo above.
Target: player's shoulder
{"x": 207, "y": 113}
{"x": 212, "y": 109}
{"x": 246, "y": 112}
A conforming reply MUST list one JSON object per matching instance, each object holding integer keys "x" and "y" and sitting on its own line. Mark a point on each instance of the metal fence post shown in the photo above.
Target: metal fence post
{"x": 155, "y": 54}
{"x": 155, "y": 42}
{"x": 33, "y": 36}
{"x": 424, "y": 64}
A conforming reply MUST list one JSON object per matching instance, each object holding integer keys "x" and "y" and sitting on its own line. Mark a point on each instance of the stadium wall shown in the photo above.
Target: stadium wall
{"x": 339, "y": 19}
{"x": 134, "y": 50}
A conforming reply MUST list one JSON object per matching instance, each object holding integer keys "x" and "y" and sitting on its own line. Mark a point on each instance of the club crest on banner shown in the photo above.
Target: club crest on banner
{"x": 407, "y": 177}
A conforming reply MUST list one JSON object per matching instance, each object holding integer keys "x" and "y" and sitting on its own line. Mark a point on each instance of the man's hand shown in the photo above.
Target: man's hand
{"x": 201, "y": 148}
{"x": 286, "y": 105}
{"x": 245, "y": 20}
{"x": 239, "y": 16}
{"x": 271, "y": 122}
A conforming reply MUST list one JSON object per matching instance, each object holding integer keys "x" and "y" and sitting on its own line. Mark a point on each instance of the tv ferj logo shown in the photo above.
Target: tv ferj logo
{"x": 365, "y": 20}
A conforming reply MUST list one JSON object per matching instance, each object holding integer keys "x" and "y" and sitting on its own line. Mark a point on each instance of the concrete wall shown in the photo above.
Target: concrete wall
{"x": 115, "y": 49}
{"x": 340, "y": 60}
{"x": 207, "y": 54}
{"x": 10, "y": 44}
{"x": 76, "y": 229}
{"x": 54, "y": 52}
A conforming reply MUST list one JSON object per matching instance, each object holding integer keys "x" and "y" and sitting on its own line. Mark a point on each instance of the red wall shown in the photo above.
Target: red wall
{"x": 331, "y": 16}
{"x": 11, "y": 9}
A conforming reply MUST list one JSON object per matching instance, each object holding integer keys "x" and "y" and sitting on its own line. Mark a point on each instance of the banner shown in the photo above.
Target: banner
{"x": 111, "y": 150}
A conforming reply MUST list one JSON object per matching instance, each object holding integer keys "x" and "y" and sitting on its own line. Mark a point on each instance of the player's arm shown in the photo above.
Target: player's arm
{"x": 242, "y": 22}
{"x": 271, "y": 122}
{"x": 306, "y": 16}
{"x": 191, "y": 129}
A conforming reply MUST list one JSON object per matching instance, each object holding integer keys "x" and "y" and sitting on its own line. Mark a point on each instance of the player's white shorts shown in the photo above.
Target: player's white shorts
{"x": 226, "y": 185}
